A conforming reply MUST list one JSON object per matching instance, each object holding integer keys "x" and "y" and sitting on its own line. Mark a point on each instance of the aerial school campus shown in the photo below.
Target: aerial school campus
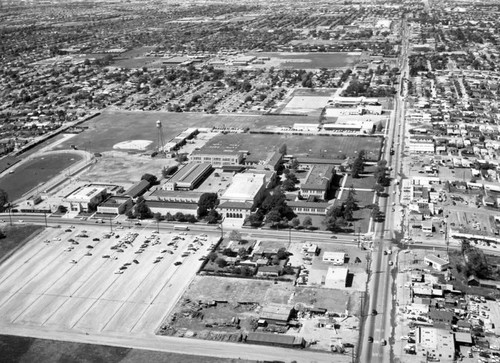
{"x": 250, "y": 182}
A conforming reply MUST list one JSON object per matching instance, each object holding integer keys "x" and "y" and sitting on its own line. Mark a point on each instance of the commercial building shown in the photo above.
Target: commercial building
{"x": 276, "y": 313}
{"x": 337, "y": 258}
{"x": 421, "y": 145}
{"x": 436, "y": 262}
{"x": 278, "y": 340}
{"x": 336, "y": 277}
{"x": 318, "y": 181}
{"x": 84, "y": 199}
{"x": 436, "y": 344}
{"x": 188, "y": 177}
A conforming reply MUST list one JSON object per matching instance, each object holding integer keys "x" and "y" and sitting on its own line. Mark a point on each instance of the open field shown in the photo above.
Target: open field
{"x": 300, "y": 145}
{"x": 38, "y": 170}
{"x": 124, "y": 168}
{"x": 24, "y": 349}
{"x": 112, "y": 127}
{"x": 53, "y": 283}
{"x": 15, "y": 237}
{"x": 308, "y": 60}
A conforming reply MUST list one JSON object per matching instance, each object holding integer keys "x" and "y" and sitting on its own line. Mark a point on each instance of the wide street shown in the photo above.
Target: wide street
{"x": 377, "y": 332}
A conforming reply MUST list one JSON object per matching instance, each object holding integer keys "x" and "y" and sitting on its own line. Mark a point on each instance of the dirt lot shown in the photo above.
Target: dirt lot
{"x": 243, "y": 299}
{"x": 124, "y": 168}
{"x": 89, "y": 287}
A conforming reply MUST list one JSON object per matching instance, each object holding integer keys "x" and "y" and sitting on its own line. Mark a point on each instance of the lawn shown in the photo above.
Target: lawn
{"x": 112, "y": 127}
{"x": 15, "y": 237}
{"x": 24, "y": 349}
{"x": 363, "y": 182}
{"x": 328, "y": 147}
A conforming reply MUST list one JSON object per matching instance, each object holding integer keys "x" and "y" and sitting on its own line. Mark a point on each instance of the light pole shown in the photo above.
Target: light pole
{"x": 45, "y": 216}
{"x": 222, "y": 227}
{"x": 110, "y": 225}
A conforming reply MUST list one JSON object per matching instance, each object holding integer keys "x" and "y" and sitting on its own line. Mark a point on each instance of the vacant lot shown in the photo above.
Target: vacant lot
{"x": 24, "y": 349}
{"x": 123, "y": 168}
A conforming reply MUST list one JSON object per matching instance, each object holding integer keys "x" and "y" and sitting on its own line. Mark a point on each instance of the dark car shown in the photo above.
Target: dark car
{"x": 374, "y": 312}
{"x": 370, "y": 339}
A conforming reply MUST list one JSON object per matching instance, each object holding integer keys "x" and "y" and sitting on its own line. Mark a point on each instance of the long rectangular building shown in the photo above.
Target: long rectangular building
{"x": 188, "y": 177}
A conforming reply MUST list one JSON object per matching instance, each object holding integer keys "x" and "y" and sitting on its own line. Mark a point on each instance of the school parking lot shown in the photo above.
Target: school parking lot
{"x": 96, "y": 281}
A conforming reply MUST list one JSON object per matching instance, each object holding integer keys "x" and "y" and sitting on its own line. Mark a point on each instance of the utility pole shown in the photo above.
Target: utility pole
{"x": 45, "y": 216}
{"x": 110, "y": 225}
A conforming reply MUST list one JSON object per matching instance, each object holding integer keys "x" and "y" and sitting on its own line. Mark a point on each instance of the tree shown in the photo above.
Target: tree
{"x": 358, "y": 165}
{"x": 282, "y": 253}
{"x": 307, "y": 222}
{"x": 166, "y": 172}
{"x": 207, "y": 202}
{"x": 273, "y": 217}
{"x": 254, "y": 219}
{"x": 296, "y": 222}
{"x": 283, "y": 149}
{"x": 212, "y": 217}
{"x": 234, "y": 236}
{"x": 150, "y": 178}
{"x": 157, "y": 217}
{"x": 242, "y": 252}
{"x": 212, "y": 256}
{"x": 379, "y": 189}
{"x": 221, "y": 262}
{"x": 179, "y": 216}
{"x": 294, "y": 164}
{"x": 292, "y": 177}
{"x": 288, "y": 185}
{"x": 142, "y": 211}
{"x": 4, "y": 200}
{"x": 350, "y": 204}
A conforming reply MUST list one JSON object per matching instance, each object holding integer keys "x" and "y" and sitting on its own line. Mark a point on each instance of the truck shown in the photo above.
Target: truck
{"x": 181, "y": 228}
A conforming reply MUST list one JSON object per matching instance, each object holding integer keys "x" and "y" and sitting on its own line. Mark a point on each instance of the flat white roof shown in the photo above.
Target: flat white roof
{"x": 244, "y": 186}
{"x": 333, "y": 255}
{"x": 85, "y": 193}
{"x": 336, "y": 275}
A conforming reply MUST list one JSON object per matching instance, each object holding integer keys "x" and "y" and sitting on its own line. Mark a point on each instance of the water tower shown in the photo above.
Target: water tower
{"x": 161, "y": 141}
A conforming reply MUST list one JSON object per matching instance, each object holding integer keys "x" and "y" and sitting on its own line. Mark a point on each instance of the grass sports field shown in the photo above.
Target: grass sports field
{"x": 332, "y": 147}
{"x": 112, "y": 127}
{"x": 310, "y": 60}
{"x": 36, "y": 171}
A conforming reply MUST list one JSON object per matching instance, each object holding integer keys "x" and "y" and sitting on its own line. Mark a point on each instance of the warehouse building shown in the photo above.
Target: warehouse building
{"x": 188, "y": 177}
{"x": 277, "y": 340}
{"x": 336, "y": 277}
